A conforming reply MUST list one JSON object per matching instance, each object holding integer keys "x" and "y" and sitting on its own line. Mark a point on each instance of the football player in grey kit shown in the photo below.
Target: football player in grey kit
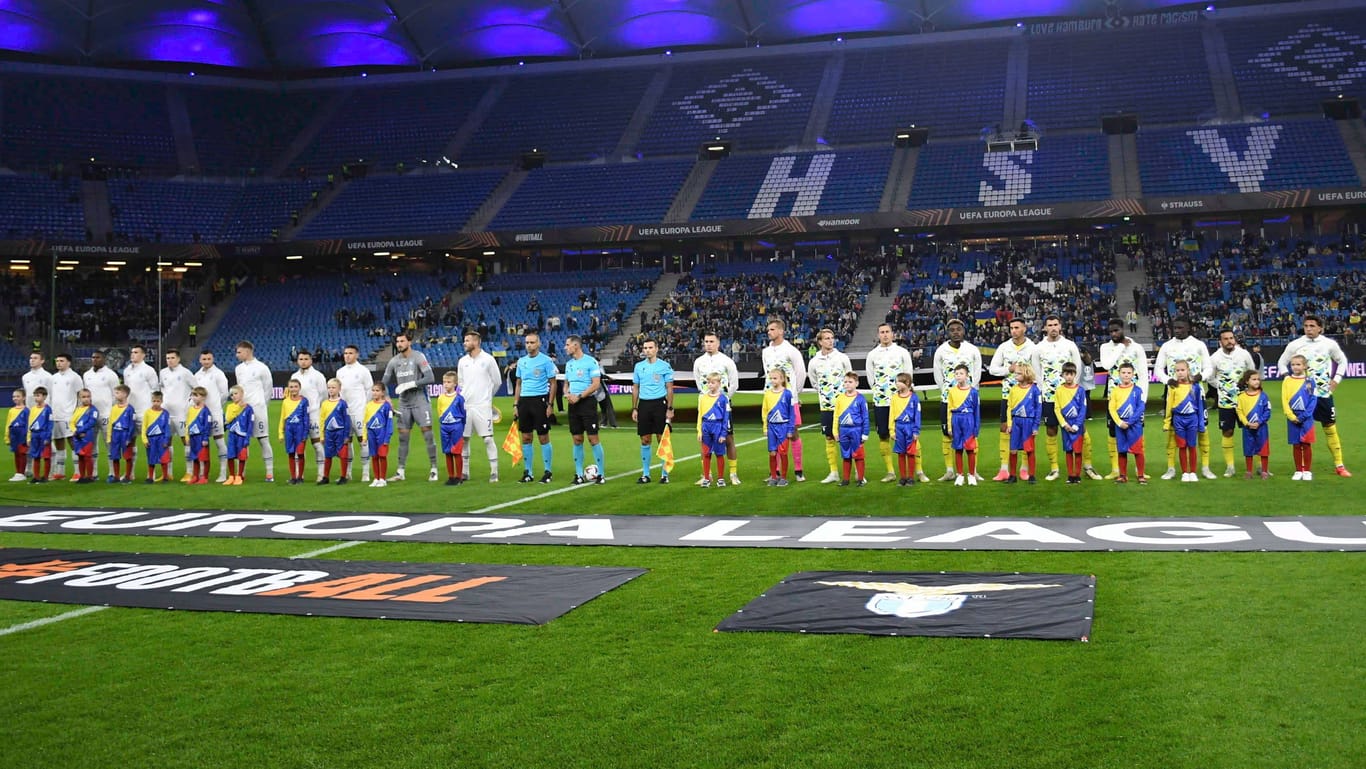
{"x": 409, "y": 373}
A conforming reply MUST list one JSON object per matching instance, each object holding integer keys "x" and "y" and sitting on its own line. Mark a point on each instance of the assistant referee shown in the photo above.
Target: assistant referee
{"x": 652, "y": 404}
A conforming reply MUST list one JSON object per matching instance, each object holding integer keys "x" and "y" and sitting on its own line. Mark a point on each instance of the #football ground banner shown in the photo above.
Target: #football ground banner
{"x": 524, "y": 595}
{"x": 1177, "y": 534}
{"x": 967, "y": 605}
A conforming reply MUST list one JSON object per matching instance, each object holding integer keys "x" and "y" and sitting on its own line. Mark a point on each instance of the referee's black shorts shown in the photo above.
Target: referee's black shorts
{"x": 651, "y": 417}
{"x": 583, "y": 417}
{"x": 531, "y": 415}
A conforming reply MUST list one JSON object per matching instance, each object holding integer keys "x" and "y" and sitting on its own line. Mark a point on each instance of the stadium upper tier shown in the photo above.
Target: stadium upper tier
{"x": 1222, "y": 106}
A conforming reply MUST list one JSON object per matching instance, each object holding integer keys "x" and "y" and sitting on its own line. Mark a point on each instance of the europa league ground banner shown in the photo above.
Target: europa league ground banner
{"x": 523, "y": 595}
{"x": 965, "y": 604}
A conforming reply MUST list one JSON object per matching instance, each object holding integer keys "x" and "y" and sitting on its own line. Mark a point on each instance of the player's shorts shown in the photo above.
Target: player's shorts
{"x": 1257, "y": 443}
{"x": 478, "y": 419}
{"x": 882, "y": 417}
{"x": 414, "y": 411}
{"x": 177, "y": 424}
{"x": 583, "y": 417}
{"x": 315, "y": 426}
{"x": 1050, "y": 415}
{"x": 259, "y": 428}
{"x": 61, "y": 428}
{"x": 944, "y": 417}
{"x": 1110, "y": 425}
{"x": 531, "y": 415}
{"x": 1299, "y": 433}
{"x": 1228, "y": 419}
{"x": 851, "y": 444}
{"x": 828, "y": 424}
{"x": 1325, "y": 412}
{"x": 651, "y": 416}
{"x": 358, "y": 424}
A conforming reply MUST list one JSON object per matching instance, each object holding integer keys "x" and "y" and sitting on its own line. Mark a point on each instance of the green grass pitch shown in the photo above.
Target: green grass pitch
{"x": 1196, "y": 659}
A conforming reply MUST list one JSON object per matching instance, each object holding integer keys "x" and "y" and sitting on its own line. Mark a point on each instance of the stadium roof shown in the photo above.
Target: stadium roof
{"x": 305, "y": 37}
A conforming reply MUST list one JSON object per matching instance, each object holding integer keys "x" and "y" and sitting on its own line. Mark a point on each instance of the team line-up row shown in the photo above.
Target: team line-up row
{"x": 1040, "y": 384}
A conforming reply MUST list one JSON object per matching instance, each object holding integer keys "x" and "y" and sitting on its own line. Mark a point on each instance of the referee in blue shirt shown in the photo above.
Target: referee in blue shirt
{"x": 532, "y": 397}
{"x": 652, "y": 403}
{"x": 582, "y": 381}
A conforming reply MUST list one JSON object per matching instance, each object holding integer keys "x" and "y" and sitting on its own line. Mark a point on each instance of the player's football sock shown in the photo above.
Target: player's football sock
{"x": 720, "y": 465}
{"x": 431, "y": 449}
{"x": 706, "y": 463}
{"x": 59, "y": 462}
{"x": 602, "y": 465}
{"x": 20, "y": 462}
{"x": 783, "y": 458}
{"x": 958, "y": 462}
{"x": 450, "y": 465}
{"x": 1088, "y": 449}
{"x": 527, "y": 457}
{"x": 1308, "y": 457}
{"x": 1050, "y": 445}
{"x": 1334, "y": 441}
{"x": 1248, "y": 462}
{"x": 1227, "y": 445}
{"x": 1265, "y": 462}
{"x": 885, "y": 447}
{"x": 1122, "y": 462}
{"x": 321, "y": 462}
{"x": 1030, "y": 460}
{"x": 832, "y": 455}
{"x": 972, "y": 463}
{"x": 491, "y": 453}
{"x": 846, "y": 469}
{"x": 1171, "y": 449}
{"x": 1113, "y": 446}
{"x": 946, "y": 446}
{"x": 859, "y": 466}
{"x": 1004, "y": 450}
{"x": 910, "y": 466}
{"x": 405, "y": 438}
{"x": 796, "y": 453}
{"x": 327, "y": 467}
{"x": 578, "y": 459}
{"x": 547, "y": 453}
{"x": 1202, "y": 440}
{"x": 267, "y": 457}
{"x": 1138, "y": 464}
{"x": 645, "y": 460}
{"x": 1014, "y": 463}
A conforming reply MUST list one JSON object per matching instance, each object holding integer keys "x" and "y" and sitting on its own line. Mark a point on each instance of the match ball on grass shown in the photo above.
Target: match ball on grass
{"x": 591, "y": 473}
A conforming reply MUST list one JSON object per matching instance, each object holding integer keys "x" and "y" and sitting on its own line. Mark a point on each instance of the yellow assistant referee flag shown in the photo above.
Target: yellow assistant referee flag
{"x": 666, "y": 447}
{"x": 512, "y": 444}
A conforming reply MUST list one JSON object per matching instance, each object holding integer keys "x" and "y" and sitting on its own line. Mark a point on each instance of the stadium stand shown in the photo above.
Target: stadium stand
{"x": 11, "y": 359}
{"x": 534, "y": 112}
{"x": 987, "y": 288}
{"x": 95, "y": 306}
{"x": 578, "y": 196}
{"x": 759, "y": 104}
{"x": 592, "y": 305}
{"x": 294, "y": 313}
{"x": 886, "y": 89}
{"x": 854, "y": 183}
{"x": 148, "y": 210}
{"x": 964, "y": 174}
{"x": 266, "y": 206}
{"x": 1160, "y": 74}
{"x": 1289, "y": 65}
{"x": 414, "y": 204}
{"x": 1244, "y": 158}
{"x": 236, "y": 131}
{"x": 415, "y": 122}
{"x": 735, "y": 300}
{"x": 51, "y": 120}
{"x": 32, "y": 206}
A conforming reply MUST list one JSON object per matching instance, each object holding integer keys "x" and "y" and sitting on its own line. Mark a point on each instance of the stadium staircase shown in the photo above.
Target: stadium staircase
{"x": 690, "y": 192}
{"x": 1125, "y": 181}
{"x": 900, "y": 176}
{"x": 1125, "y": 282}
{"x": 187, "y": 157}
{"x": 1354, "y": 136}
{"x": 1226, "y": 102}
{"x": 325, "y": 197}
{"x": 631, "y": 325}
{"x": 648, "y": 102}
{"x": 484, "y": 214}
{"x": 824, "y": 102}
{"x": 217, "y": 312}
{"x": 95, "y": 203}
{"x": 476, "y": 119}
{"x": 321, "y": 119}
{"x": 875, "y": 309}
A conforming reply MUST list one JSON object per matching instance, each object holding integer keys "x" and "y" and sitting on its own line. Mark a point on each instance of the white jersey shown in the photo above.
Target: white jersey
{"x": 480, "y": 378}
{"x": 141, "y": 380}
{"x": 784, "y": 356}
{"x": 1321, "y": 355}
{"x": 35, "y": 378}
{"x": 215, "y": 382}
{"x": 883, "y": 364}
{"x": 101, "y": 383}
{"x": 718, "y": 363}
{"x": 826, "y": 372}
{"x": 176, "y": 384}
{"x": 947, "y": 358}
{"x": 254, "y": 378}
{"x": 63, "y": 394}
{"x": 356, "y": 381}
{"x": 1049, "y": 357}
{"x": 313, "y": 386}
{"x": 1224, "y": 369}
{"x": 1112, "y": 356}
{"x": 1008, "y": 354}
{"x": 1173, "y": 351}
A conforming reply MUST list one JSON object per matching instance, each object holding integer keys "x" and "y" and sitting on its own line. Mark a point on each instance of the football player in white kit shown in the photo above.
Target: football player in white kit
{"x": 1182, "y": 347}
{"x": 947, "y": 357}
{"x": 480, "y": 378}
{"x": 1326, "y": 364}
{"x": 1223, "y": 368}
{"x": 780, "y": 354}
{"x": 884, "y": 363}
{"x": 712, "y": 360}
{"x": 356, "y": 381}
{"x": 254, "y": 378}
{"x": 215, "y": 382}
{"x": 62, "y": 396}
{"x": 176, "y": 383}
{"x": 101, "y": 380}
{"x": 313, "y": 386}
{"x": 1019, "y": 348}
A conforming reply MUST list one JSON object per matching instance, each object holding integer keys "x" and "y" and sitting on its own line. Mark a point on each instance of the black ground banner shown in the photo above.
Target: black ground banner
{"x": 525, "y": 595}
{"x": 968, "y": 605}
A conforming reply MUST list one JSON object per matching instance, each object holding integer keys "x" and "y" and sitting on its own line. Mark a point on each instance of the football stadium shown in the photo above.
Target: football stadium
{"x": 762, "y": 383}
